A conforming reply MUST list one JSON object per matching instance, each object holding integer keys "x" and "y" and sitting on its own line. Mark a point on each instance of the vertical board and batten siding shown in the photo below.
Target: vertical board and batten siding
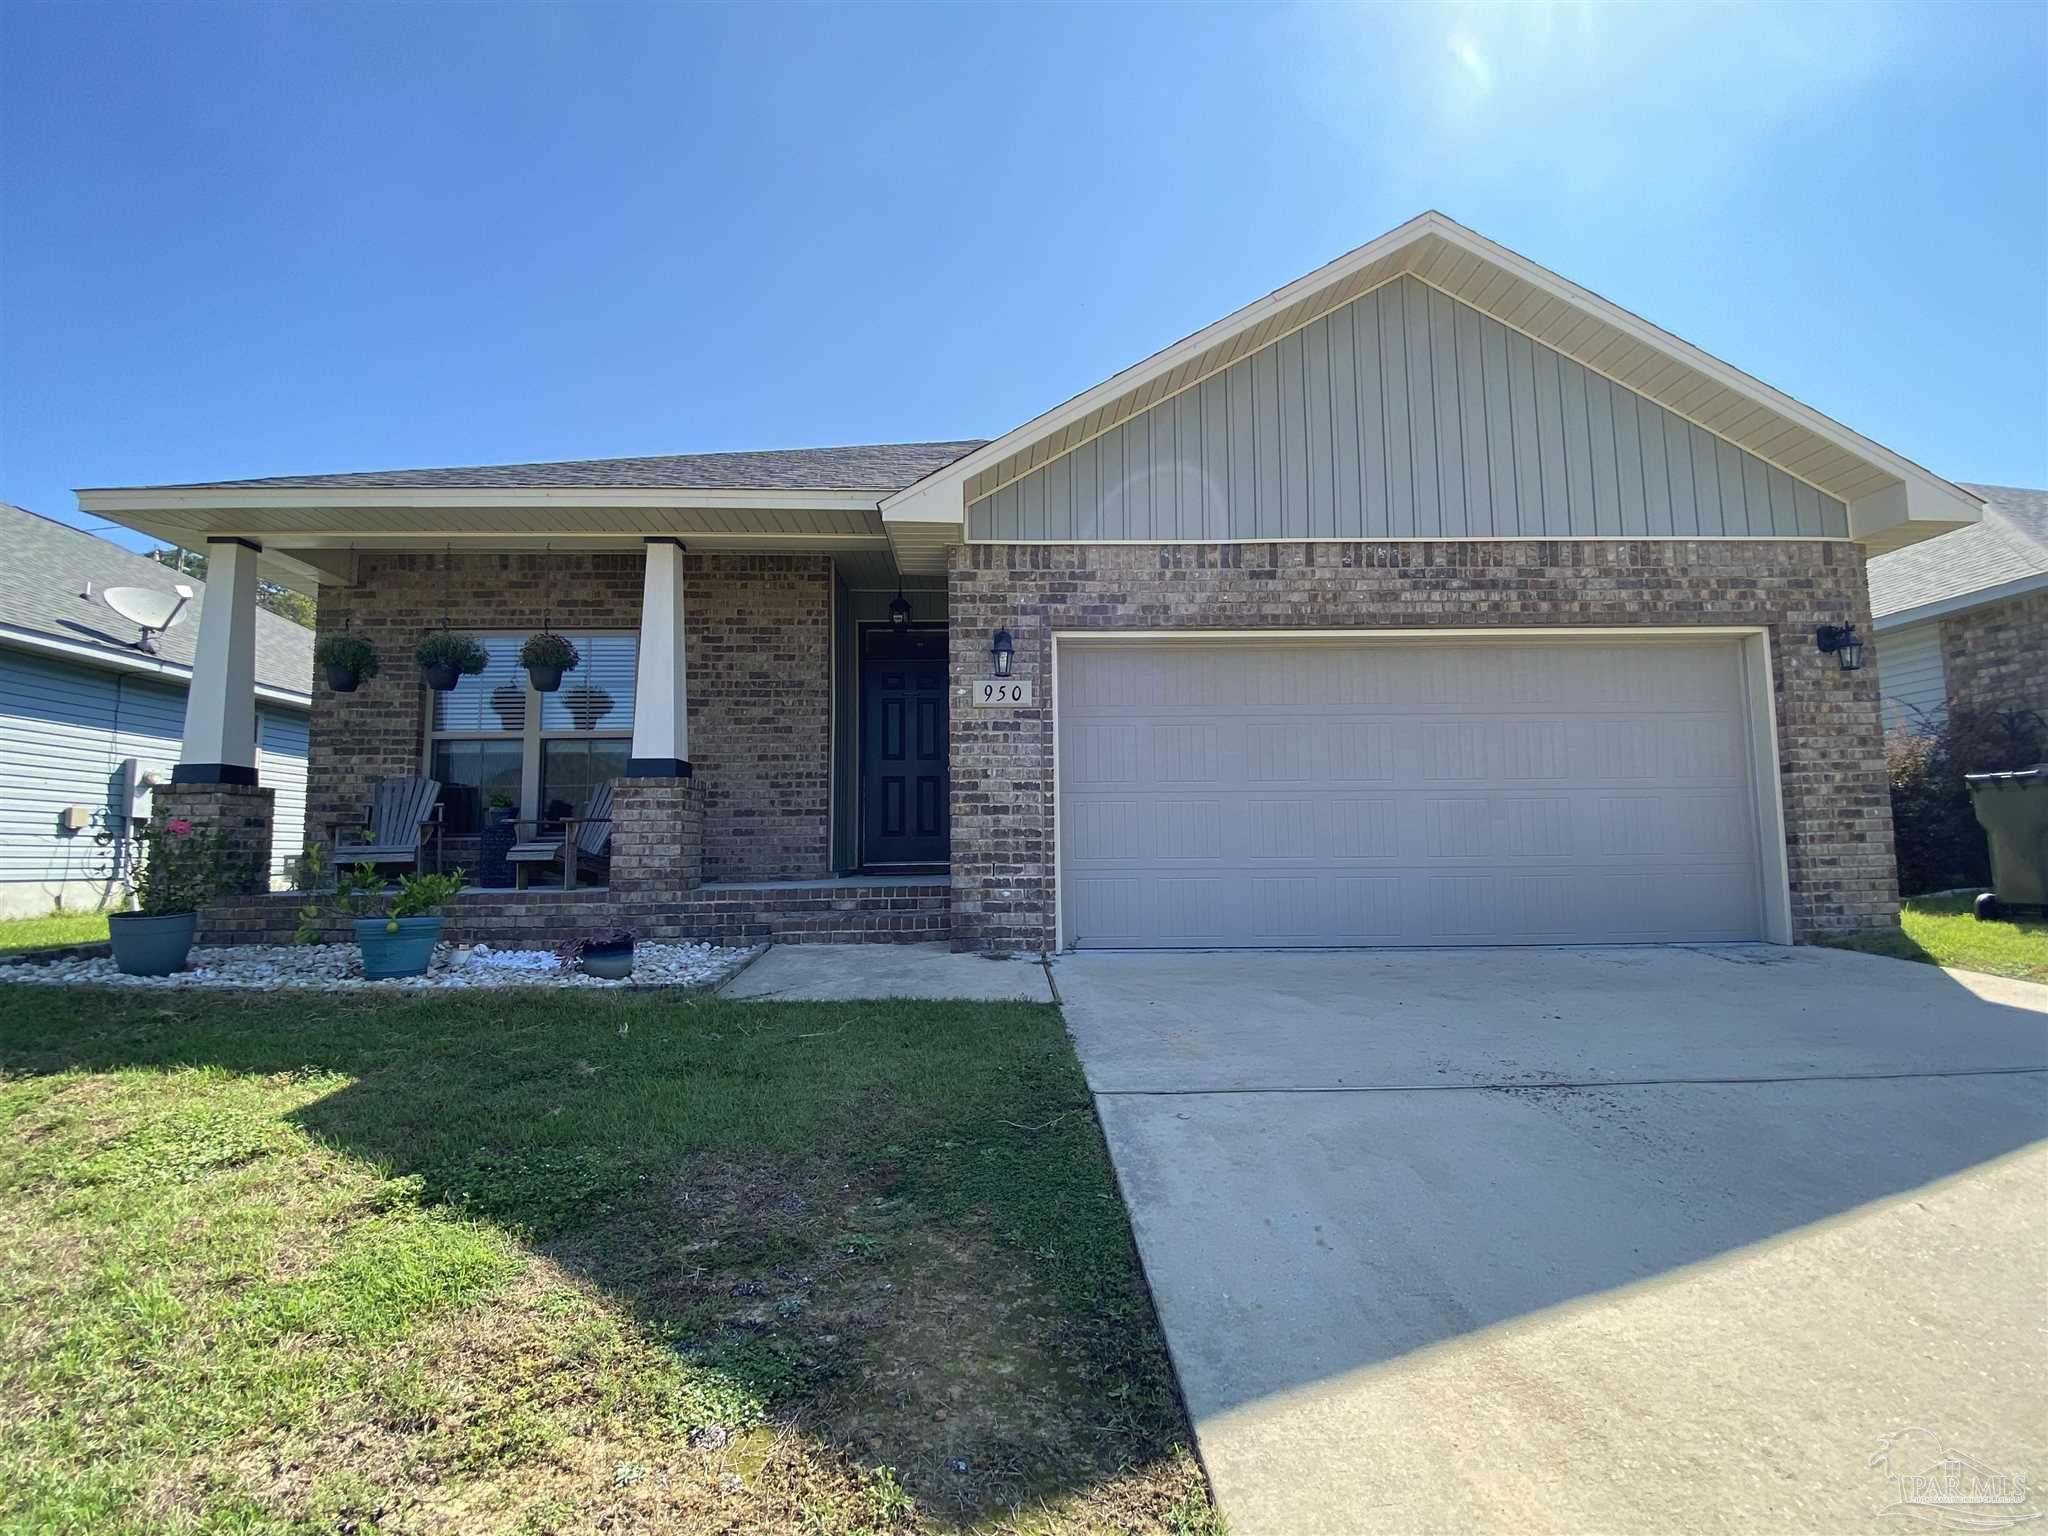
{"x": 1404, "y": 414}
{"x": 64, "y": 731}
{"x": 1910, "y": 677}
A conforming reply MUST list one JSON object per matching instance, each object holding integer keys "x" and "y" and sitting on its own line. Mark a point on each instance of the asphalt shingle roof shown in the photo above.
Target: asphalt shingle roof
{"x": 873, "y": 467}
{"x": 2009, "y": 544}
{"x": 49, "y": 564}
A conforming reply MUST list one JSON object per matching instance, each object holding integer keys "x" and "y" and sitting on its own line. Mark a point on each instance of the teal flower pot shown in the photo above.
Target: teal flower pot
{"x": 151, "y": 946}
{"x": 614, "y": 964}
{"x": 406, "y": 952}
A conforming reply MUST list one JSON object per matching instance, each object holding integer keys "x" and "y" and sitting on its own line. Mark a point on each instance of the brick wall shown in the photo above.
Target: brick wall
{"x": 759, "y": 637}
{"x": 1831, "y": 755}
{"x": 1996, "y": 657}
{"x": 240, "y": 813}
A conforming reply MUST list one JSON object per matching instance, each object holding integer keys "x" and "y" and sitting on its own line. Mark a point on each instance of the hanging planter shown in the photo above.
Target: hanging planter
{"x": 588, "y": 705}
{"x": 508, "y": 703}
{"x": 445, "y": 659}
{"x": 346, "y": 659}
{"x": 546, "y": 656}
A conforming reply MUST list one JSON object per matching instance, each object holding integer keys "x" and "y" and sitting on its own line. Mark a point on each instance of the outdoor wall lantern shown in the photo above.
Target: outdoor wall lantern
{"x": 1842, "y": 642}
{"x": 1002, "y": 651}
{"x": 899, "y": 610}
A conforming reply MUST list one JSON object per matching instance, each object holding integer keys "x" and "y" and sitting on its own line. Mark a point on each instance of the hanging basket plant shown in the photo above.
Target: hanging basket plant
{"x": 587, "y": 705}
{"x": 346, "y": 659}
{"x": 546, "y": 656}
{"x": 445, "y": 659}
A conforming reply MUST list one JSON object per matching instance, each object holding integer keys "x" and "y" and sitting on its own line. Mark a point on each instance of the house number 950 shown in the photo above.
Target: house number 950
{"x": 1002, "y": 690}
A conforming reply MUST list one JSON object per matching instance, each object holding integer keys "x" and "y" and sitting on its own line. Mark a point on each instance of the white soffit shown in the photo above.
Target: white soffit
{"x": 1892, "y": 501}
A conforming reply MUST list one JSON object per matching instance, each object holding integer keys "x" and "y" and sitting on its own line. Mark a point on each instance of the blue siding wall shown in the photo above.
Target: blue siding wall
{"x": 64, "y": 730}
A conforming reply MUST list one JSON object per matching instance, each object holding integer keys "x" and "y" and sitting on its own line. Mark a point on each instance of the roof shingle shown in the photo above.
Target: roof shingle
{"x": 2011, "y": 543}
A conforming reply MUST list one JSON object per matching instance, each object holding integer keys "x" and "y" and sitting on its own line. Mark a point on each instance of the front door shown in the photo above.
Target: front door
{"x": 903, "y": 747}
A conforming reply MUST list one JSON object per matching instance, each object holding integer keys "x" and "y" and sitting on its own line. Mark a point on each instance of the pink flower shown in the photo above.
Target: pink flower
{"x": 180, "y": 827}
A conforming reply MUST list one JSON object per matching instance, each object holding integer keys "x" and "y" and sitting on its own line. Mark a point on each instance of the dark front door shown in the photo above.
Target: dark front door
{"x": 903, "y": 747}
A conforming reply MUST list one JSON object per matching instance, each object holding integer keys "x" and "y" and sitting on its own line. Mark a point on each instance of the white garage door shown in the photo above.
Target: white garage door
{"x": 1425, "y": 792}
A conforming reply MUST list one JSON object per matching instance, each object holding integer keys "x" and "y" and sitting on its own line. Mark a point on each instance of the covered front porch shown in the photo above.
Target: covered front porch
{"x": 765, "y": 699}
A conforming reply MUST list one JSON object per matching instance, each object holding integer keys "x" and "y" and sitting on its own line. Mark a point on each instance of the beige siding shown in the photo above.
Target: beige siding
{"x": 1909, "y": 673}
{"x": 1404, "y": 414}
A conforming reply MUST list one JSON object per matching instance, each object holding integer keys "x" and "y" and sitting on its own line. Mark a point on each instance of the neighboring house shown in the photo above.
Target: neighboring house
{"x": 1431, "y": 599}
{"x": 78, "y": 699}
{"x": 1965, "y": 617}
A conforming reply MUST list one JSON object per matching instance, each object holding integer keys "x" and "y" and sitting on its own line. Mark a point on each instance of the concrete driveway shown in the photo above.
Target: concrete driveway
{"x": 1584, "y": 1240}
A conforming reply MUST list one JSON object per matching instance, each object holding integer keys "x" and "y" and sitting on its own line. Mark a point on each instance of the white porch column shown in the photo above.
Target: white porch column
{"x": 220, "y": 704}
{"x": 661, "y": 703}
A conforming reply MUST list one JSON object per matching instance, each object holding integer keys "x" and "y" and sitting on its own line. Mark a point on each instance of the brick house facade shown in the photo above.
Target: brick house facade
{"x": 760, "y": 703}
{"x": 1996, "y": 657}
{"x": 1831, "y": 758}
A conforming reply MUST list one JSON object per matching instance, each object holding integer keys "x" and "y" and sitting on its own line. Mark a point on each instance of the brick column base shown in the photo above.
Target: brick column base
{"x": 657, "y": 842}
{"x": 240, "y": 813}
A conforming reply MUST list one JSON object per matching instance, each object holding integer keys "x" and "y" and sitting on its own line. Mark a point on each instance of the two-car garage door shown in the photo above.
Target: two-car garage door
{"x": 1330, "y": 792}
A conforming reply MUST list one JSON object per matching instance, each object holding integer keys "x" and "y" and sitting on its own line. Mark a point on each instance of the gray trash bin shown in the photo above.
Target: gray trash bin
{"x": 2013, "y": 810}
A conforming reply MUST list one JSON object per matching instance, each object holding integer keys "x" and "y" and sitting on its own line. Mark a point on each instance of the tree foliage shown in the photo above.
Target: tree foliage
{"x": 282, "y": 601}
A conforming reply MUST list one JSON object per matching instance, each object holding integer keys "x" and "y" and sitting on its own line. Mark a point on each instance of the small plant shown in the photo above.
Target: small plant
{"x": 349, "y": 655}
{"x": 499, "y": 801}
{"x": 180, "y": 870}
{"x": 361, "y": 892}
{"x": 549, "y": 652}
{"x": 423, "y": 896}
{"x": 309, "y": 868}
{"x": 445, "y": 649}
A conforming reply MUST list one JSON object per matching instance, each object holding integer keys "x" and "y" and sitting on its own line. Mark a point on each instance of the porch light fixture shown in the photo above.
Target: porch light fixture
{"x": 1842, "y": 642}
{"x": 1002, "y": 651}
{"x": 899, "y": 609}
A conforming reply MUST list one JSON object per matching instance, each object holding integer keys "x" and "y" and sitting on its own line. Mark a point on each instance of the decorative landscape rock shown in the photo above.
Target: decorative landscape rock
{"x": 269, "y": 967}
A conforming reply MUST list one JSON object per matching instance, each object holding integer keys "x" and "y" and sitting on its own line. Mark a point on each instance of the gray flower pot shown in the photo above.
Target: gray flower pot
{"x": 609, "y": 964}
{"x": 151, "y": 946}
{"x": 545, "y": 679}
{"x": 406, "y": 952}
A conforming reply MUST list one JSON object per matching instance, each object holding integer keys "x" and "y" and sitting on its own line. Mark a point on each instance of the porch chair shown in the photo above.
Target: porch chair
{"x": 581, "y": 836}
{"x": 399, "y": 822}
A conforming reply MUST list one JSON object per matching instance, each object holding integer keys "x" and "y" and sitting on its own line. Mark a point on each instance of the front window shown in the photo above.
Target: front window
{"x": 545, "y": 752}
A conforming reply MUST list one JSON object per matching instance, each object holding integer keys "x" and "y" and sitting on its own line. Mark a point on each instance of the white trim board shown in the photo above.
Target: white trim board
{"x": 1773, "y": 866}
{"x": 2019, "y": 586}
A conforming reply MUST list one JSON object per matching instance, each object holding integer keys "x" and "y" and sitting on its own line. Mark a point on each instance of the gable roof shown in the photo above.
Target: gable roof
{"x": 1892, "y": 501}
{"x": 867, "y": 467}
{"x": 2003, "y": 555}
{"x": 50, "y": 564}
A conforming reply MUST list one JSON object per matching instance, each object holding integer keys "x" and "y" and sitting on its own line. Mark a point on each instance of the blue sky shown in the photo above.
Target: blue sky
{"x": 247, "y": 240}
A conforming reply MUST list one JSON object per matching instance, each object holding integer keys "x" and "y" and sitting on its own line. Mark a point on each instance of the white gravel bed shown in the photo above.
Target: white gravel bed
{"x": 273, "y": 967}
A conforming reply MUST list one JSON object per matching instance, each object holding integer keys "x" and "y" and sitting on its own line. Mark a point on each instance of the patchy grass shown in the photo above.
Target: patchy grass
{"x": 1941, "y": 930}
{"x": 534, "y": 1264}
{"x": 52, "y": 931}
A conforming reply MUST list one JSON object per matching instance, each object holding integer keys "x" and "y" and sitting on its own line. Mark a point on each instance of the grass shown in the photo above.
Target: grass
{"x": 52, "y": 931}
{"x": 1941, "y": 930}
{"x": 532, "y": 1264}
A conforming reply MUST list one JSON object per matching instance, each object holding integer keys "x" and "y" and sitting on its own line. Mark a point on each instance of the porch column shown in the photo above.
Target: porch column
{"x": 661, "y": 702}
{"x": 220, "y": 704}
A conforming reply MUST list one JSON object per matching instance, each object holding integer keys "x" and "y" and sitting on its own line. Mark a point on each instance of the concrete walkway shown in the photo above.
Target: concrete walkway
{"x": 850, "y": 972}
{"x": 1573, "y": 1240}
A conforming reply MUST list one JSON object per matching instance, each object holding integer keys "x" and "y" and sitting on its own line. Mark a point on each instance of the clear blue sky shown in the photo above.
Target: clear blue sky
{"x": 248, "y": 240}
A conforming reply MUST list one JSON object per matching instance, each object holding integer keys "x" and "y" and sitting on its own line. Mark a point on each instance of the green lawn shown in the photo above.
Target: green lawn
{"x": 52, "y": 931}
{"x": 527, "y": 1264}
{"x": 1941, "y": 931}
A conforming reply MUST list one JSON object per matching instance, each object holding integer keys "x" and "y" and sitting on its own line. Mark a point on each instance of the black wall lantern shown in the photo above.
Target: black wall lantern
{"x": 1842, "y": 642}
{"x": 1002, "y": 651}
{"x": 899, "y": 609}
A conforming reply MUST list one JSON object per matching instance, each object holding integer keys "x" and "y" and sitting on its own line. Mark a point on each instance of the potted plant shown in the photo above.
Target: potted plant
{"x": 399, "y": 940}
{"x": 346, "y": 659}
{"x": 180, "y": 872}
{"x": 606, "y": 954}
{"x": 546, "y": 656}
{"x": 447, "y": 658}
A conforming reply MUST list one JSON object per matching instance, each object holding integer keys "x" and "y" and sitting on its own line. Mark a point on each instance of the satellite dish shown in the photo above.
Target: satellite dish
{"x": 149, "y": 610}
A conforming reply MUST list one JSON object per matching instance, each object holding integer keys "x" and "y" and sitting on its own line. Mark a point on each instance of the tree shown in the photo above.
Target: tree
{"x": 282, "y": 601}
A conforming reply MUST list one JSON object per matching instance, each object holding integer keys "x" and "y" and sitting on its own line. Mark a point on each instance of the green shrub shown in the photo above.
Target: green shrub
{"x": 551, "y": 650}
{"x": 1935, "y": 833}
{"x": 443, "y": 649}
